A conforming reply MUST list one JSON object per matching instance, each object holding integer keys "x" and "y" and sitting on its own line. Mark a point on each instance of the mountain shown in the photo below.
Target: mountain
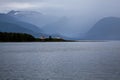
{"x": 55, "y": 27}
{"x": 49, "y": 25}
{"x": 33, "y": 17}
{"x": 59, "y": 28}
{"x": 11, "y": 24}
{"x": 106, "y": 29}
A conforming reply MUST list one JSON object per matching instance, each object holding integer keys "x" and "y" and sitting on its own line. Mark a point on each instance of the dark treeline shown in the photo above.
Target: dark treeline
{"x": 23, "y": 37}
{"x": 15, "y": 37}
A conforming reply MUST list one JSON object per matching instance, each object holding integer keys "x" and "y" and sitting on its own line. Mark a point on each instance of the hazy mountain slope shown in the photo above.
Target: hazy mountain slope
{"x": 55, "y": 27}
{"x": 10, "y": 27}
{"x": 105, "y": 29}
{"x": 11, "y": 24}
{"x": 33, "y": 17}
{"x": 50, "y": 25}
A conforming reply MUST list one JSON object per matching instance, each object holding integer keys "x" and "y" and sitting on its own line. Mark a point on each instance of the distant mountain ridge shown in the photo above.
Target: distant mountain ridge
{"x": 37, "y": 24}
{"x": 49, "y": 24}
{"x": 106, "y": 29}
{"x": 13, "y": 12}
{"x": 11, "y": 24}
{"x": 32, "y": 17}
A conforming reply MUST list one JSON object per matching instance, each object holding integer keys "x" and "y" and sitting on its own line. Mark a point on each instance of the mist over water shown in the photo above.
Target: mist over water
{"x": 60, "y": 61}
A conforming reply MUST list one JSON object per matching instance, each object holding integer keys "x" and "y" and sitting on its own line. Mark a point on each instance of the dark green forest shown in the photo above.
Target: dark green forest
{"x": 15, "y": 37}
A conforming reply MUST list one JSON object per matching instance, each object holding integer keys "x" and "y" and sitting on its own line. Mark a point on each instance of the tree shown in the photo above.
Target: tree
{"x": 15, "y": 37}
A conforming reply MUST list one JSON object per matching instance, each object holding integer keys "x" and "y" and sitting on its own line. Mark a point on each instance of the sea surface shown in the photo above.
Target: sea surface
{"x": 60, "y": 61}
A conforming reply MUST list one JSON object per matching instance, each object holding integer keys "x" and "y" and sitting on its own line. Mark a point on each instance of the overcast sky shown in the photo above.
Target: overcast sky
{"x": 67, "y": 7}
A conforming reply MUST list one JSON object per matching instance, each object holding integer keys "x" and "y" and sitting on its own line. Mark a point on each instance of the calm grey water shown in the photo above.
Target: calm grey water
{"x": 60, "y": 61}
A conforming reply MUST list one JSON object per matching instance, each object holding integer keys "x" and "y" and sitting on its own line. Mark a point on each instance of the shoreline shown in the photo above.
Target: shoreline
{"x": 59, "y": 41}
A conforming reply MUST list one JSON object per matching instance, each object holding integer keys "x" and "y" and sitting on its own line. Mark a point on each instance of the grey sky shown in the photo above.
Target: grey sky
{"x": 68, "y": 7}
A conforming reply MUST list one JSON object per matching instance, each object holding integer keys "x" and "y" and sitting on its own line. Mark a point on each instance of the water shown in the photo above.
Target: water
{"x": 60, "y": 61}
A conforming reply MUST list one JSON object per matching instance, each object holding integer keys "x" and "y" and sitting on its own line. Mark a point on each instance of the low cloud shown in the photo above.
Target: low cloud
{"x": 15, "y": 5}
{"x": 26, "y": 6}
